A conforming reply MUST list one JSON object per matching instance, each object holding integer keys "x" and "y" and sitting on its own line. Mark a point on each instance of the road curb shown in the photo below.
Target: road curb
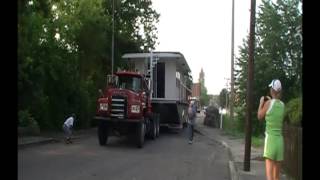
{"x": 232, "y": 168}
{"x": 46, "y": 141}
{"x": 55, "y": 138}
{"x": 38, "y": 142}
{"x": 233, "y": 171}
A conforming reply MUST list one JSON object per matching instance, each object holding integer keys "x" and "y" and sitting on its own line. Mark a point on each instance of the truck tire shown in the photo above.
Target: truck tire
{"x": 140, "y": 134}
{"x": 103, "y": 133}
{"x": 153, "y": 129}
{"x": 158, "y": 125}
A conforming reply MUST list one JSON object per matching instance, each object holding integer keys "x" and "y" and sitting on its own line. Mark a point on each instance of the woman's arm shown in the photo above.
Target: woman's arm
{"x": 263, "y": 108}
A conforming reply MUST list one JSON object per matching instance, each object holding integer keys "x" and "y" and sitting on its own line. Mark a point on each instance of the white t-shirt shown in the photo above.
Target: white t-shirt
{"x": 69, "y": 121}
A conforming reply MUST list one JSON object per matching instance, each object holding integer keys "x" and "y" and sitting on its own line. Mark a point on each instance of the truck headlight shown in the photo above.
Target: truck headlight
{"x": 104, "y": 106}
{"x": 135, "y": 108}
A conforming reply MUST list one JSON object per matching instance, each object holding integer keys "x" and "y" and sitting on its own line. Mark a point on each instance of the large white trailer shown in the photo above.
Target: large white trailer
{"x": 168, "y": 73}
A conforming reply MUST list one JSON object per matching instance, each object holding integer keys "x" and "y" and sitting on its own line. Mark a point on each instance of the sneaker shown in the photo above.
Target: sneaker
{"x": 190, "y": 142}
{"x": 68, "y": 141}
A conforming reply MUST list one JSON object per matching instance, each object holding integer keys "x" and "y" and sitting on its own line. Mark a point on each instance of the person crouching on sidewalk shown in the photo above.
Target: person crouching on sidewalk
{"x": 67, "y": 128}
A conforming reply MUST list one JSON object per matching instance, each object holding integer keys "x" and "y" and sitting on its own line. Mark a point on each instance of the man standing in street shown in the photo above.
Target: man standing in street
{"x": 67, "y": 128}
{"x": 191, "y": 116}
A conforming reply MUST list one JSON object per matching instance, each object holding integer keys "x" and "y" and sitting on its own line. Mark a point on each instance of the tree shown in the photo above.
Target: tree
{"x": 223, "y": 97}
{"x": 278, "y": 55}
{"x": 204, "y": 98}
{"x": 64, "y": 52}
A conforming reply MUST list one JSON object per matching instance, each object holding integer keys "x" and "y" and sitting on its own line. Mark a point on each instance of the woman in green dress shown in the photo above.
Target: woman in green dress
{"x": 272, "y": 110}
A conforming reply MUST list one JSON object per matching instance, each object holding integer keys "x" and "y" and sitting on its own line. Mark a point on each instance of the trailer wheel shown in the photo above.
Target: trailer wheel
{"x": 102, "y": 133}
{"x": 140, "y": 134}
{"x": 158, "y": 125}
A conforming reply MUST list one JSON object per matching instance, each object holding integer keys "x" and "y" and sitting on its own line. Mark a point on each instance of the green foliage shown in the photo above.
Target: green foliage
{"x": 236, "y": 129}
{"x": 293, "y": 111}
{"x": 278, "y": 54}
{"x": 64, "y": 50}
{"x": 204, "y": 98}
{"x": 257, "y": 141}
{"x": 26, "y": 119}
{"x": 231, "y": 127}
{"x": 223, "y": 97}
{"x": 240, "y": 118}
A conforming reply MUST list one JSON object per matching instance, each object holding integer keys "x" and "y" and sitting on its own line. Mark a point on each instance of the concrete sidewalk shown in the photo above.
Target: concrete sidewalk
{"x": 236, "y": 148}
{"x": 51, "y": 137}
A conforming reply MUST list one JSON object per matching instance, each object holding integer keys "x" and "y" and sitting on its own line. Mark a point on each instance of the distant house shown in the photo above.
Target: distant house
{"x": 196, "y": 89}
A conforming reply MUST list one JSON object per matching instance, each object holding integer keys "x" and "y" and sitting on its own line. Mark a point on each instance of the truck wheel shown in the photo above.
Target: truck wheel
{"x": 140, "y": 134}
{"x": 153, "y": 129}
{"x": 158, "y": 126}
{"x": 102, "y": 133}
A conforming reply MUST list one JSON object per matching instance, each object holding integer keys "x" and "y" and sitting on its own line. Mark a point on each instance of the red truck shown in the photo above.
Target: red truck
{"x": 153, "y": 93}
{"x": 124, "y": 108}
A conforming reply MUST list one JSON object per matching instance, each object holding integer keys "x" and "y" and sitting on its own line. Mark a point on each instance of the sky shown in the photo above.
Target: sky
{"x": 201, "y": 31}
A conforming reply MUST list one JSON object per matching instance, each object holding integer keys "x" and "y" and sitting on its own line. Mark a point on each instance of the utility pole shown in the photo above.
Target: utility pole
{"x": 112, "y": 47}
{"x": 232, "y": 65}
{"x": 250, "y": 88}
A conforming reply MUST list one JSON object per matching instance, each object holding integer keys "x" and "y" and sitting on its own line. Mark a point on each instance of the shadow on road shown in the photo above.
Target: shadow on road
{"x": 125, "y": 142}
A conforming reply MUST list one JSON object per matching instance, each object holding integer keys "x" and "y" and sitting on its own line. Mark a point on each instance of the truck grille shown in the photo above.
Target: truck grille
{"x": 118, "y": 107}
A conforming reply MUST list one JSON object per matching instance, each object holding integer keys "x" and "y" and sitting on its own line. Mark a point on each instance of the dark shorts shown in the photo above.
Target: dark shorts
{"x": 67, "y": 130}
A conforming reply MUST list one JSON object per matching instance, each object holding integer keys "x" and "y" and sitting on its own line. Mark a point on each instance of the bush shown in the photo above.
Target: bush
{"x": 232, "y": 127}
{"x": 28, "y": 122}
{"x": 257, "y": 141}
{"x": 258, "y": 127}
{"x": 240, "y": 114}
{"x": 25, "y": 118}
{"x": 293, "y": 111}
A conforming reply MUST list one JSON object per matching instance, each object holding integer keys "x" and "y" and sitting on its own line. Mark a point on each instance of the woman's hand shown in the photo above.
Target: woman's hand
{"x": 263, "y": 107}
{"x": 261, "y": 100}
{"x": 264, "y": 99}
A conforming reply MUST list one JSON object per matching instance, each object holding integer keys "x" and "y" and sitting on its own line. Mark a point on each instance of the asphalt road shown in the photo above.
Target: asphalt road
{"x": 169, "y": 157}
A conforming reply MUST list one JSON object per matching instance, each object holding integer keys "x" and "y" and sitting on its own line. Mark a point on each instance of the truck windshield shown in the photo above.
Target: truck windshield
{"x": 132, "y": 83}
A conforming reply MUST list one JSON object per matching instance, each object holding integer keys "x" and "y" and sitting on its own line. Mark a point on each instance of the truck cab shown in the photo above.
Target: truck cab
{"x": 124, "y": 108}
{"x": 125, "y": 98}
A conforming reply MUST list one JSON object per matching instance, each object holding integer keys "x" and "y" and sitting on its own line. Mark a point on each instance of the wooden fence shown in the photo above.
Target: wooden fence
{"x": 292, "y": 164}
